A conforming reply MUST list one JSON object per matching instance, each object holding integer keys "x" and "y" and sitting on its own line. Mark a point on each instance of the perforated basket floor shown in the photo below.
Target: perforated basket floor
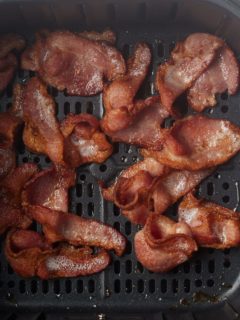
{"x": 209, "y": 279}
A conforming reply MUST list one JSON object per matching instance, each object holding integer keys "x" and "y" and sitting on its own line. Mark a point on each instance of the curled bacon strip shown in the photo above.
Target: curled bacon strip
{"x": 11, "y": 187}
{"x": 84, "y": 142}
{"x": 118, "y": 96}
{"x": 49, "y": 188}
{"x": 8, "y": 61}
{"x": 77, "y": 230}
{"x": 212, "y": 225}
{"x": 163, "y": 244}
{"x": 198, "y": 142}
{"x": 79, "y": 64}
{"x": 145, "y": 130}
{"x": 149, "y": 186}
{"x": 188, "y": 61}
{"x": 29, "y": 255}
{"x": 41, "y": 132}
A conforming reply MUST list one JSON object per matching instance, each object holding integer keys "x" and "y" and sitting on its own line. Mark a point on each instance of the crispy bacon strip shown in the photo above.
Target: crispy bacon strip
{"x": 198, "y": 142}
{"x": 11, "y": 187}
{"x": 189, "y": 59}
{"x": 73, "y": 262}
{"x": 84, "y": 142}
{"x": 118, "y": 96}
{"x": 29, "y": 255}
{"x": 73, "y": 62}
{"x": 77, "y": 230}
{"x": 8, "y": 61}
{"x": 222, "y": 75}
{"x": 212, "y": 225}
{"x": 41, "y": 133}
{"x": 49, "y": 188}
{"x": 163, "y": 244}
{"x": 149, "y": 186}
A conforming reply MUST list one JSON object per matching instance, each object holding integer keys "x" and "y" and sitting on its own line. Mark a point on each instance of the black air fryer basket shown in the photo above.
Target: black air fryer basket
{"x": 205, "y": 287}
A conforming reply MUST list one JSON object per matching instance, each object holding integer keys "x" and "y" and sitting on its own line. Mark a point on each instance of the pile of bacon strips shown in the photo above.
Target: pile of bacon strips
{"x": 174, "y": 161}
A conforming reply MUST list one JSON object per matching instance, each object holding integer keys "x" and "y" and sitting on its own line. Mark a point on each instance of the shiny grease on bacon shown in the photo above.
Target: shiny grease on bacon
{"x": 79, "y": 64}
{"x": 29, "y": 254}
{"x": 211, "y": 225}
{"x": 163, "y": 244}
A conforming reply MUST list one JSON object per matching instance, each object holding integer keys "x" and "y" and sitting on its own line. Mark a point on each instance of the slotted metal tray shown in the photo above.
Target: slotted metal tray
{"x": 207, "y": 285}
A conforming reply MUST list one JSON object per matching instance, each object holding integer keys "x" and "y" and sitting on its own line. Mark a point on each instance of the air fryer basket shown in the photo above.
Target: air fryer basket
{"x": 208, "y": 285}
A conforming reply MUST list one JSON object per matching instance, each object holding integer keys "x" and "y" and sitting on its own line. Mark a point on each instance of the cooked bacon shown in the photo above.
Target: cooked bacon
{"x": 77, "y": 230}
{"x": 84, "y": 142}
{"x": 118, "y": 96}
{"x": 107, "y": 35}
{"x": 171, "y": 187}
{"x": 41, "y": 133}
{"x": 8, "y": 61}
{"x": 9, "y": 128}
{"x": 212, "y": 225}
{"x": 198, "y": 142}
{"x": 149, "y": 186}
{"x": 73, "y": 262}
{"x": 10, "y": 42}
{"x": 73, "y": 62}
{"x": 189, "y": 59}
{"x": 145, "y": 130}
{"x": 163, "y": 244}
{"x": 149, "y": 165}
{"x": 49, "y": 188}
{"x": 7, "y": 160}
{"x": 11, "y": 187}
{"x": 30, "y": 255}
{"x": 222, "y": 75}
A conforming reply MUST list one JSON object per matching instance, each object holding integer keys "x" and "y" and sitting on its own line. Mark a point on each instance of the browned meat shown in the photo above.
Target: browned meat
{"x": 73, "y": 62}
{"x": 83, "y": 140}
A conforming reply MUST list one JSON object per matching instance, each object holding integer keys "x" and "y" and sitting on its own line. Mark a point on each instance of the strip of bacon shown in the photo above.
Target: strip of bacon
{"x": 198, "y": 142}
{"x": 84, "y": 142}
{"x": 163, "y": 244}
{"x": 189, "y": 59}
{"x": 49, "y": 188}
{"x": 9, "y": 129}
{"x": 8, "y": 61}
{"x": 149, "y": 186}
{"x": 77, "y": 230}
{"x": 73, "y": 62}
{"x": 30, "y": 255}
{"x": 212, "y": 225}
{"x": 118, "y": 96}
{"x": 11, "y": 187}
{"x": 222, "y": 75}
{"x": 41, "y": 133}
{"x": 145, "y": 130}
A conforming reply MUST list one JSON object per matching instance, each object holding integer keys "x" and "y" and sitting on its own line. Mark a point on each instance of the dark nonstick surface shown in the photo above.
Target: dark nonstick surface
{"x": 209, "y": 281}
